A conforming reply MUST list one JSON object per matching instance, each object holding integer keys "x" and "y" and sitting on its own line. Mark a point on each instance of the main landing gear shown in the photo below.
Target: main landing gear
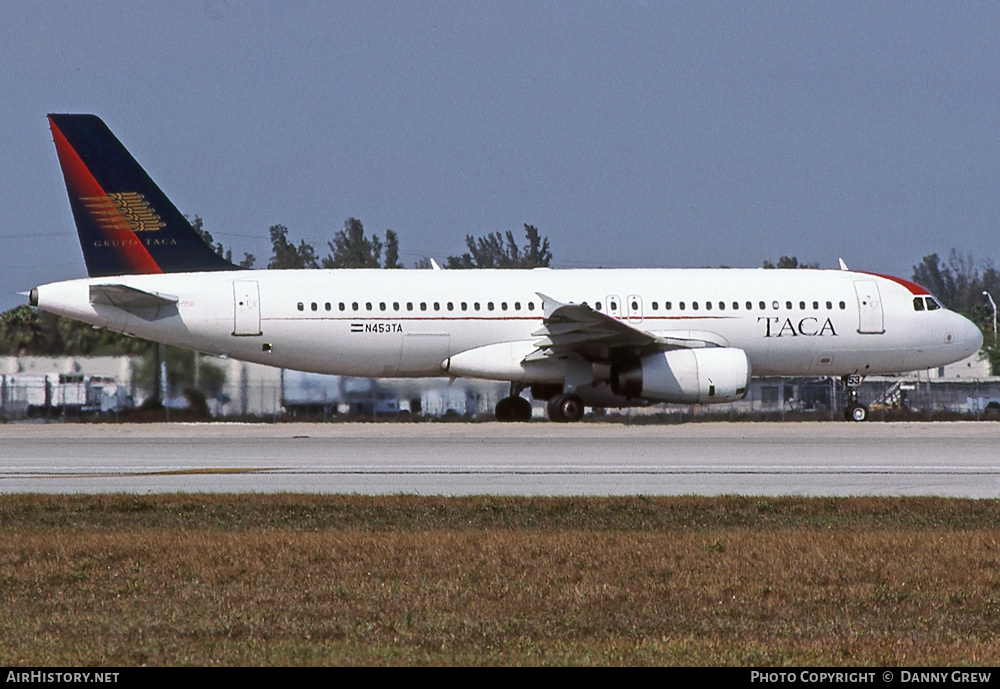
{"x": 855, "y": 411}
{"x": 565, "y": 408}
{"x": 560, "y": 406}
{"x": 513, "y": 407}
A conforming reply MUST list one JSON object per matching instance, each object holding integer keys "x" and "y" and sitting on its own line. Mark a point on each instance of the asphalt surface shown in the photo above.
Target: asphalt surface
{"x": 815, "y": 459}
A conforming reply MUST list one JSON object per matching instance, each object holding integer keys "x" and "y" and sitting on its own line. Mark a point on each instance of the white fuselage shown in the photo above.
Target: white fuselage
{"x": 409, "y": 323}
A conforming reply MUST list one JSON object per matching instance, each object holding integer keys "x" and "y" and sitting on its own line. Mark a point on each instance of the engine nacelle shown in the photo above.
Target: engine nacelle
{"x": 717, "y": 374}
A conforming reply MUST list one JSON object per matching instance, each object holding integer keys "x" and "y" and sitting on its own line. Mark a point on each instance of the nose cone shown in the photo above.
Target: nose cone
{"x": 968, "y": 336}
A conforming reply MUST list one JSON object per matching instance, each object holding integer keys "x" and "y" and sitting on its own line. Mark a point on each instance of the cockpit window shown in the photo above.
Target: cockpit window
{"x": 932, "y": 305}
{"x": 918, "y": 303}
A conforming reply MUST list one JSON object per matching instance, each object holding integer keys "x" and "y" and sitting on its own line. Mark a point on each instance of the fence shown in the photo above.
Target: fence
{"x": 768, "y": 399}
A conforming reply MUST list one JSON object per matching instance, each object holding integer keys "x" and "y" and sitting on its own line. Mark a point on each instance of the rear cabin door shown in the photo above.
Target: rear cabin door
{"x": 246, "y": 307}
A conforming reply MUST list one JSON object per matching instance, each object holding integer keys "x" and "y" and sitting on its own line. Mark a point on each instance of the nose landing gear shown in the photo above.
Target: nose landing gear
{"x": 855, "y": 410}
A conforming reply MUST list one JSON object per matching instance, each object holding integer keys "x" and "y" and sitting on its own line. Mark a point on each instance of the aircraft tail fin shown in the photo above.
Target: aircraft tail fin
{"x": 126, "y": 224}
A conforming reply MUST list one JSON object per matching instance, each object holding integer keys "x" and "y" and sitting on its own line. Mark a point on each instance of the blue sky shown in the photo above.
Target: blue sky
{"x": 645, "y": 134}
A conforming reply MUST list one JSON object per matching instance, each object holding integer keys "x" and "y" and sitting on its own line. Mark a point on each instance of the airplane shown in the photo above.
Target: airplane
{"x": 574, "y": 337}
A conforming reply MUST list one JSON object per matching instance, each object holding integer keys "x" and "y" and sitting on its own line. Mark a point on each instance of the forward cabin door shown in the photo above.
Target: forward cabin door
{"x": 246, "y": 307}
{"x": 870, "y": 317}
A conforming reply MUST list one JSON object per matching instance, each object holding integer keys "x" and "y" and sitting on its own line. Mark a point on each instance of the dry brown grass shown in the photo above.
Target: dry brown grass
{"x": 295, "y": 580}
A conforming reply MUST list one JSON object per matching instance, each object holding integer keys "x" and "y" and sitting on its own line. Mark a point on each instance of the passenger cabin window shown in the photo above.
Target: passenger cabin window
{"x": 302, "y": 306}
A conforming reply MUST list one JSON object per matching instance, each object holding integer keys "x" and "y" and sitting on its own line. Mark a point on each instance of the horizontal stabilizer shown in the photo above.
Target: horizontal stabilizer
{"x": 132, "y": 300}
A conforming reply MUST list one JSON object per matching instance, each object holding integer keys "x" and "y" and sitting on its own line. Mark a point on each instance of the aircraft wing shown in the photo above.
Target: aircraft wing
{"x": 579, "y": 329}
{"x": 147, "y": 305}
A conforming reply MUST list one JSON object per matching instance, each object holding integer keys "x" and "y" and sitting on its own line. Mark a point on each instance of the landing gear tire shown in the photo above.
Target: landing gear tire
{"x": 856, "y": 412}
{"x": 513, "y": 409}
{"x": 565, "y": 408}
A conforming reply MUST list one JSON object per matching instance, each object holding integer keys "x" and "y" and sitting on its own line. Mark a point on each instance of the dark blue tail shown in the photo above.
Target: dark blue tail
{"x": 126, "y": 224}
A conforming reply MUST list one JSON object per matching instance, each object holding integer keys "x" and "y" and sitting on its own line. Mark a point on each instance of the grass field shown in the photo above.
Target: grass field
{"x": 302, "y": 580}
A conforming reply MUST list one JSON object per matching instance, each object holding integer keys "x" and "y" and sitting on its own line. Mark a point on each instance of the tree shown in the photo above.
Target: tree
{"x": 285, "y": 255}
{"x": 789, "y": 262}
{"x": 960, "y": 284}
{"x": 391, "y": 250}
{"x": 180, "y": 372}
{"x": 24, "y": 330}
{"x": 536, "y": 251}
{"x": 501, "y": 251}
{"x": 350, "y": 248}
{"x": 199, "y": 226}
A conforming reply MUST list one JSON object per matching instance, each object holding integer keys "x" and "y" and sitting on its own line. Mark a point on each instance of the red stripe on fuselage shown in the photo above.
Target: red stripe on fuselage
{"x": 912, "y": 286}
{"x": 81, "y": 184}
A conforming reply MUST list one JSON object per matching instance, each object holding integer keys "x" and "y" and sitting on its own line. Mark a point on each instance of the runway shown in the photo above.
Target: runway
{"x": 809, "y": 459}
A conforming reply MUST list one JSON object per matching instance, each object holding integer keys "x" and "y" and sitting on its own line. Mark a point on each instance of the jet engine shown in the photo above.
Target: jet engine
{"x": 719, "y": 374}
